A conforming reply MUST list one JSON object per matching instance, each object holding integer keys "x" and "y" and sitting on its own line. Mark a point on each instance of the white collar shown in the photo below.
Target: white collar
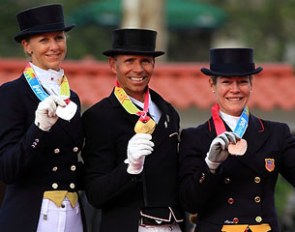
{"x": 153, "y": 109}
{"x": 49, "y": 76}
{"x": 230, "y": 120}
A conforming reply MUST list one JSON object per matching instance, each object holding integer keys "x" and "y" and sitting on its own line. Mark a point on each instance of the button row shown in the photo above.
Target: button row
{"x": 55, "y": 186}
{"x": 57, "y": 150}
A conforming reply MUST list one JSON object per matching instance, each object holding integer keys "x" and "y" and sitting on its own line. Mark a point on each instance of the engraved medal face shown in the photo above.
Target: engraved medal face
{"x": 67, "y": 112}
{"x": 147, "y": 127}
{"x": 239, "y": 148}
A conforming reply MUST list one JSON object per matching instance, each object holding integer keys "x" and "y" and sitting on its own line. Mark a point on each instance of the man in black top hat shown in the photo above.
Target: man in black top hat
{"x": 229, "y": 165}
{"x": 131, "y": 143}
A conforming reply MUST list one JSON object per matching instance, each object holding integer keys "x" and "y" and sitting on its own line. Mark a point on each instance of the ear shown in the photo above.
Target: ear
{"x": 26, "y": 46}
{"x": 211, "y": 84}
{"x": 112, "y": 63}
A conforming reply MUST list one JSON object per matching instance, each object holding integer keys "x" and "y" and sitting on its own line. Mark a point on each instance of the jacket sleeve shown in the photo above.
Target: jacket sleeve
{"x": 105, "y": 173}
{"x": 197, "y": 183}
{"x": 19, "y": 143}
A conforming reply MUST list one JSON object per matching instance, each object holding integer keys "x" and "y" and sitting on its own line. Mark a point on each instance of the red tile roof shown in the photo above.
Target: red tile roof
{"x": 180, "y": 83}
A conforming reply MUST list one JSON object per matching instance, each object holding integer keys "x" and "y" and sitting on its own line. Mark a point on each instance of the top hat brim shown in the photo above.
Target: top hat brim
{"x": 114, "y": 52}
{"x": 24, "y": 34}
{"x": 230, "y": 74}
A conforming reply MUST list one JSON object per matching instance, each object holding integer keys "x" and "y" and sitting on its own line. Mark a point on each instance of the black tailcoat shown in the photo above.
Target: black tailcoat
{"x": 242, "y": 190}
{"x": 121, "y": 196}
{"x": 31, "y": 160}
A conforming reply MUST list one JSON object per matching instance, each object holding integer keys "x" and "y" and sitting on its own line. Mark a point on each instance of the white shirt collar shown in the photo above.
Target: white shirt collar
{"x": 48, "y": 76}
{"x": 153, "y": 109}
{"x": 230, "y": 120}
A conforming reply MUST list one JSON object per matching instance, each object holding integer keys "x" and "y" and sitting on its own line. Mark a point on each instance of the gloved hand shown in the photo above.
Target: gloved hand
{"x": 45, "y": 116}
{"x": 218, "y": 150}
{"x": 139, "y": 146}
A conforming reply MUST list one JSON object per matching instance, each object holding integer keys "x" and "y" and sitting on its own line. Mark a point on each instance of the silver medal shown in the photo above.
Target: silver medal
{"x": 66, "y": 112}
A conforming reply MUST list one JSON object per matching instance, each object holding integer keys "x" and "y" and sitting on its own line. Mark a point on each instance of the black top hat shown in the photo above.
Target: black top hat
{"x": 229, "y": 62}
{"x": 134, "y": 42}
{"x": 47, "y": 18}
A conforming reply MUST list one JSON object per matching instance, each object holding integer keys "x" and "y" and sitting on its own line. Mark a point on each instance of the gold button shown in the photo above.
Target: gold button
{"x": 258, "y": 219}
{"x": 72, "y": 185}
{"x": 257, "y": 199}
{"x": 54, "y": 169}
{"x": 257, "y": 179}
{"x": 56, "y": 151}
{"x": 230, "y": 201}
{"x": 75, "y": 149}
{"x": 73, "y": 168}
{"x": 54, "y": 185}
{"x": 227, "y": 180}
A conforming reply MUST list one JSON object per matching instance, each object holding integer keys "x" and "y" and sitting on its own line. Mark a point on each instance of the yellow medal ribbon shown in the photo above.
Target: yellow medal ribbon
{"x": 145, "y": 124}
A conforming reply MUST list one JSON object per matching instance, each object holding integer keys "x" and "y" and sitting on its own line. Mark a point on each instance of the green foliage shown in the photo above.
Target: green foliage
{"x": 267, "y": 26}
{"x": 283, "y": 188}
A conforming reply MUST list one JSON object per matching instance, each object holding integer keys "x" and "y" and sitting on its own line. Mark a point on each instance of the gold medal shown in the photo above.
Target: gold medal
{"x": 239, "y": 148}
{"x": 147, "y": 127}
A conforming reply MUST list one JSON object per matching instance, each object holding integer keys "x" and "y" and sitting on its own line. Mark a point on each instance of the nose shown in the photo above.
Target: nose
{"x": 137, "y": 67}
{"x": 53, "y": 44}
{"x": 235, "y": 87}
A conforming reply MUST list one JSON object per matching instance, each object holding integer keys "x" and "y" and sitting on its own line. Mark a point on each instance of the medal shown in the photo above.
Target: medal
{"x": 239, "y": 148}
{"x": 66, "y": 112}
{"x": 147, "y": 127}
{"x": 145, "y": 124}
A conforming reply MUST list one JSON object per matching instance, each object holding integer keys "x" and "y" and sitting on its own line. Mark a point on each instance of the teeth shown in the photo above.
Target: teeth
{"x": 136, "y": 78}
{"x": 234, "y": 99}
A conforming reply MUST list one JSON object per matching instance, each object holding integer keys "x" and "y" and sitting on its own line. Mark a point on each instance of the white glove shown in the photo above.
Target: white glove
{"x": 218, "y": 150}
{"x": 138, "y": 147}
{"x": 45, "y": 116}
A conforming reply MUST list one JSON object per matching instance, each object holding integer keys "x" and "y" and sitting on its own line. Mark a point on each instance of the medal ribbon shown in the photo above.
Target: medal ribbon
{"x": 128, "y": 105}
{"x": 241, "y": 126}
{"x": 37, "y": 88}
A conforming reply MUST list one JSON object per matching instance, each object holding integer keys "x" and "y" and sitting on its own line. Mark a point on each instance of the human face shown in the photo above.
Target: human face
{"x": 232, "y": 93}
{"x": 47, "y": 50}
{"x": 133, "y": 73}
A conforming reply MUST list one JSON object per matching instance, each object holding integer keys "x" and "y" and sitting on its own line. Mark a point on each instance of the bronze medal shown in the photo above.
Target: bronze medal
{"x": 239, "y": 148}
{"x": 147, "y": 127}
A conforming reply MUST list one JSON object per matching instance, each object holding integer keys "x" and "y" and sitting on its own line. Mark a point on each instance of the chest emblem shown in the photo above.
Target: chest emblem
{"x": 270, "y": 164}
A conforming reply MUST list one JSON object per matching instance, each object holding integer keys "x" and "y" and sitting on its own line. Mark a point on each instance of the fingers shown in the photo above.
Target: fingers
{"x": 49, "y": 105}
{"x": 143, "y": 140}
{"x": 227, "y": 137}
{"x": 57, "y": 100}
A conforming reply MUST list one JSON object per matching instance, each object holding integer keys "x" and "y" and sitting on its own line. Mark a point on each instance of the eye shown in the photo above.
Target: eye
{"x": 59, "y": 37}
{"x": 43, "y": 40}
{"x": 147, "y": 61}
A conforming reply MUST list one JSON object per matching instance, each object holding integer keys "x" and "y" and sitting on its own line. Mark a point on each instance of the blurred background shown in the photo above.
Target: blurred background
{"x": 186, "y": 30}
